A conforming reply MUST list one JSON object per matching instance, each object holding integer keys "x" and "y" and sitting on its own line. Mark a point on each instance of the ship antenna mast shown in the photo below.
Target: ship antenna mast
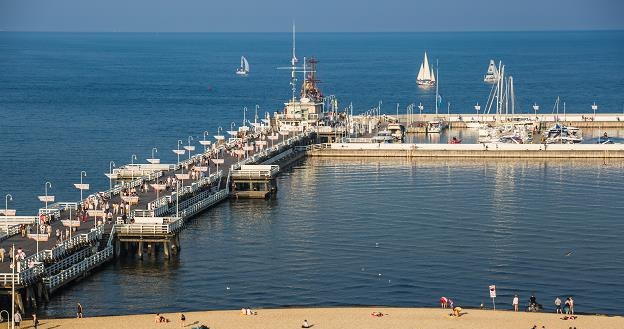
{"x": 293, "y": 61}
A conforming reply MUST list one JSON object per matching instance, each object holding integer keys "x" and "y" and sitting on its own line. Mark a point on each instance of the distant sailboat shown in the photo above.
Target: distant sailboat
{"x": 244, "y": 67}
{"x": 492, "y": 74}
{"x": 426, "y": 76}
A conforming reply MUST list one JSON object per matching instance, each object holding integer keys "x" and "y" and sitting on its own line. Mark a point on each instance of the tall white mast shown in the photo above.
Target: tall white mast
{"x": 293, "y": 61}
{"x": 437, "y": 83}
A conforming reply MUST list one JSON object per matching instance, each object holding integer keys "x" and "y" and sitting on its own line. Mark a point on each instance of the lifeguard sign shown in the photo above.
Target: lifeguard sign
{"x": 493, "y": 295}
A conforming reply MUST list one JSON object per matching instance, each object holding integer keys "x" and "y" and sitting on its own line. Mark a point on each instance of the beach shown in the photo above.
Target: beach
{"x": 342, "y": 318}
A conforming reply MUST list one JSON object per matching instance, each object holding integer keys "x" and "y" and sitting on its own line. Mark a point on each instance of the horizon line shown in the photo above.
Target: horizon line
{"x": 349, "y": 32}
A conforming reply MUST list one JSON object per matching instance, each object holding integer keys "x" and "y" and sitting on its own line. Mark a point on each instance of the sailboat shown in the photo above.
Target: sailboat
{"x": 492, "y": 74}
{"x": 244, "y": 67}
{"x": 426, "y": 77}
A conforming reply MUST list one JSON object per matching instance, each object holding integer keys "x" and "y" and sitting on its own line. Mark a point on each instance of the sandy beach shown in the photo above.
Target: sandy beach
{"x": 342, "y": 318}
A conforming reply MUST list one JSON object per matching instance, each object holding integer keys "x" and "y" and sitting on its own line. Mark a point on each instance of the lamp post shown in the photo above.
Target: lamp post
{"x": 535, "y": 108}
{"x": 256, "y": 117}
{"x": 245, "y": 116}
{"x": 110, "y": 176}
{"x": 420, "y": 109}
{"x": 132, "y": 165}
{"x": 478, "y": 108}
{"x": 45, "y": 187}
{"x": 190, "y": 138}
{"x": 154, "y": 150}
{"x": 594, "y": 108}
{"x": 81, "y": 186}
{"x": 6, "y": 210}
{"x": 13, "y": 287}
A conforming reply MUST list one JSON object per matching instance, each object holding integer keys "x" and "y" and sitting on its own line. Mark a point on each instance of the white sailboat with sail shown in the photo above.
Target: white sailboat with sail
{"x": 244, "y": 67}
{"x": 426, "y": 76}
{"x": 492, "y": 74}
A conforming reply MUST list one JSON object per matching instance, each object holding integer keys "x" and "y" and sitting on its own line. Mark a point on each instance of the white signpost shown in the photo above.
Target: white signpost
{"x": 493, "y": 295}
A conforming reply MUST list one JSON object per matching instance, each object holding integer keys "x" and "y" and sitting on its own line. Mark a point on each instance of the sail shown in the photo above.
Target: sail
{"x": 427, "y": 70}
{"x": 492, "y": 69}
{"x": 433, "y": 79}
{"x": 420, "y": 73}
{"x": 244, "y": 64}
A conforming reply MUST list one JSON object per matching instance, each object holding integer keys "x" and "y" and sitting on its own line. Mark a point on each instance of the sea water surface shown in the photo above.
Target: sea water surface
{"x": 339, "y": 232}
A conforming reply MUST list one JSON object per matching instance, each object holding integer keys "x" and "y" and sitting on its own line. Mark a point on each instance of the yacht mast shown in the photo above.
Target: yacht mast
{"x": 437, "y": 83}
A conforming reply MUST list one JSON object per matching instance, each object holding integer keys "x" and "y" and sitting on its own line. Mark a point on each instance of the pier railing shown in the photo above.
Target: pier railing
{"x": 13, "y": 230}
{"x": 170, "y": 225}
{"x": 55, "y": 281}
{"x": 203, "y": 204}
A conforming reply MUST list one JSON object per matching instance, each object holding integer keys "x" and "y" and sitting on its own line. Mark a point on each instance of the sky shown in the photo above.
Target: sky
{"x": 310, "y": 15}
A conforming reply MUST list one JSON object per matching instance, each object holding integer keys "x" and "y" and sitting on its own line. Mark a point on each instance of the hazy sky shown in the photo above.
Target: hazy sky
{"x": 311, "y": 15}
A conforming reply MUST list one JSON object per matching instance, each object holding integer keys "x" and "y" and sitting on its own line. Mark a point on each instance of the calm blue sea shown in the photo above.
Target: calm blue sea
{"x": 72, "y": 102}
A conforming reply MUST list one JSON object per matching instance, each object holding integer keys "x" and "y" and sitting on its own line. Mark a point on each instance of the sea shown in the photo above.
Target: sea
{"x": 340, "y": 231}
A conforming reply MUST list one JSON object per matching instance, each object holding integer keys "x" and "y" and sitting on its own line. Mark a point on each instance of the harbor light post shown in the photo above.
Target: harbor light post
{"x": 420, "y": 109}
{"x": 206, "y": 142}
{"x": 190, "y": 138}
{"x": 154, "y": 150}
{"x": 12, "y": 318}
{"x": 45, "y": 199}
{"x": 110, "y": 176}
{"x": 478, "y": 108}
{"x": 6, "y": 210}
{"x": 594, "y": 108}
{"x": 81, "y": 187}
{"x": 134, "y": 157}
{"x": 536, "y": 108}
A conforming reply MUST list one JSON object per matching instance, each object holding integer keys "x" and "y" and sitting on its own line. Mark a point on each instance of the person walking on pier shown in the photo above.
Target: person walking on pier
{"x": 2, "y": 252}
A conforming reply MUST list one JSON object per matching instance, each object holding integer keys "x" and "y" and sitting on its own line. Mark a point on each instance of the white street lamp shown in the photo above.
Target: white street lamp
{"x": 594, "y": 108}
{"x": 134, "y": 157}
{"x": 81, "y": 185}
{"x": 110, "y": 176}
{"x": 6, "y": 210}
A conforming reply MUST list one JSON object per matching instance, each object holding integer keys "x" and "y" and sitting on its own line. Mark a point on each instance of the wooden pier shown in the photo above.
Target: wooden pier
{"x": 156, "y": 220}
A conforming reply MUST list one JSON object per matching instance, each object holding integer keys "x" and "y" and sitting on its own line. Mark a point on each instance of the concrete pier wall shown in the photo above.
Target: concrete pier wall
{"x": 589, "y": 151}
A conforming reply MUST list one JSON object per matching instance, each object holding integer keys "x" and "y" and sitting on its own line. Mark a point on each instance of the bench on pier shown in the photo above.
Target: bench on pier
{"x": 133, "y": 200}
{"x": 38, "y": 237}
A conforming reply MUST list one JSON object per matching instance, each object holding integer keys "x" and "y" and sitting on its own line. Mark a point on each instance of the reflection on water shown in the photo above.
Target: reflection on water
{"x": 389, "y": 231}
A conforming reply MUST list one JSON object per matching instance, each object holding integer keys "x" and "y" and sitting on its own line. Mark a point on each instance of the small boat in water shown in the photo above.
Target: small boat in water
{"x": 383, "y": 136}
{"x": 560, "y": 134}
{"x": 426, "y": 76}
{"x": 397, "y": 131}
{"x": 492, "y": 74}
{"x": 244, "y": 67}
{"x": 436, "y": 126}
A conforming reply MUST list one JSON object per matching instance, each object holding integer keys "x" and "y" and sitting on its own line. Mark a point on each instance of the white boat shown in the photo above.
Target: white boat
{"x": 473, "y": 124}
{"x": 383, "y": 136}
{"x": 492, "y": 74}
{"x": 244, "y": 67}
{"x": 397, "y": 131}
{"x": 436, "y": 126}
{"x": 426, "y": 76}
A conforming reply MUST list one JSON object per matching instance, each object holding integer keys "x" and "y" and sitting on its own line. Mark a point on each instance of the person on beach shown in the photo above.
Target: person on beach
{"x": 515, "y": 303}
{"x": 571, "y": 305}
{"x": 78, "y": 311}
{"x": 566, "y": 308}
{"x": 35, "y": 321}
{"x": 558, "y": 306}
{"x": 182, "y": 320}
{"x": 17, "y": 319}
{"x": 305, "y": 324}
{"x": 457, "y": 311}
{"x": 443, "y": 302}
